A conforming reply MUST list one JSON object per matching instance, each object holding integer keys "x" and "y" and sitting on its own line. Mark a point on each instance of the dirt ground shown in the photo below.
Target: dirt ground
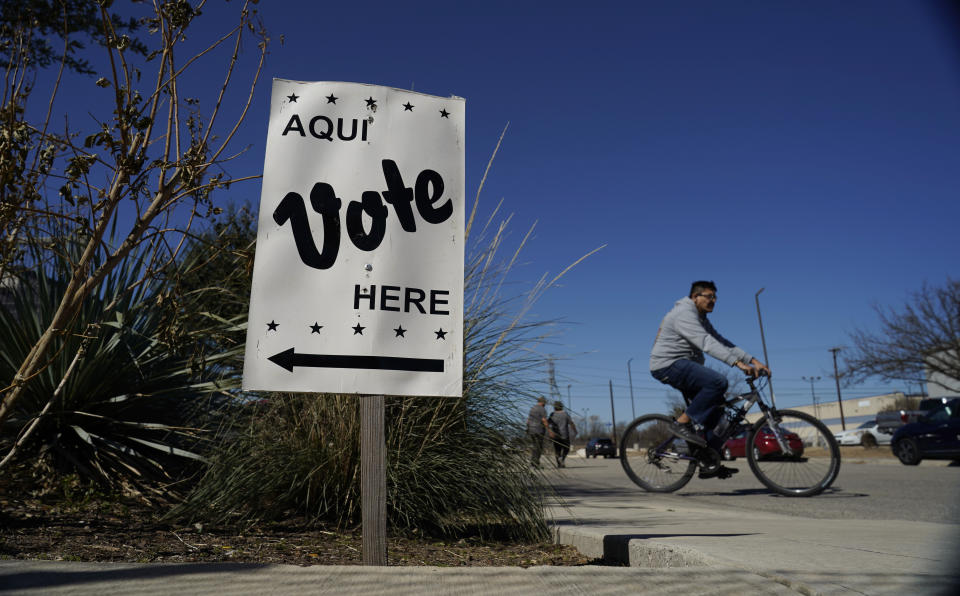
{"x": 854, "y": 453}
{"x": 87, "y": 529}
{"x": 81, "y": 528}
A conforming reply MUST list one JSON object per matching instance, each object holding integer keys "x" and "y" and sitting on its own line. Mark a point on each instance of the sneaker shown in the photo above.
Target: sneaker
{"x": 721, "y": 472}
{"x": 687, "y": 433}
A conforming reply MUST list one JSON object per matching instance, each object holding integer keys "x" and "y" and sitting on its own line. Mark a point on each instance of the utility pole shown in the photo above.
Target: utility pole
{"x": 836, "y": 377}
{"x": 552, "y": 380}
{"x": 613, "y": 415}
{"x": 633, "y": 408}
{"x": 816, "y": 407}
{"x": 569, "y": 399}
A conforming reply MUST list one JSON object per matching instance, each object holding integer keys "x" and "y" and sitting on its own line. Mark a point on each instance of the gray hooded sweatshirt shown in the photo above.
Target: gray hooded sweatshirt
{"x": 685, "y": 334}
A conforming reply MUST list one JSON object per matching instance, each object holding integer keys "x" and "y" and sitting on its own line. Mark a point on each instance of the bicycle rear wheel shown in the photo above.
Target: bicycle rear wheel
{"x": 653, "y": 458}
{"x": 803, "y": 462}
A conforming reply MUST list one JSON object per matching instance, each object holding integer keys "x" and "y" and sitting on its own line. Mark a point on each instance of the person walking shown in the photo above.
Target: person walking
{"x": 564, "y": 431}
{"x": 537, "y": 427}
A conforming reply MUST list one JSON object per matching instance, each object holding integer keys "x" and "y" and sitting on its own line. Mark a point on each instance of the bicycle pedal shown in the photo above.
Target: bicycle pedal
{"x": 707, "y": 458}
{"x": 726, "y": 472}
{"x": 720, "y": 471}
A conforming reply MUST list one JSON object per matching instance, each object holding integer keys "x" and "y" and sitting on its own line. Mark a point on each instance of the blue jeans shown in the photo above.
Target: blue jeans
{"x": 702, "y": 388}
{"x": 536, "y": 444}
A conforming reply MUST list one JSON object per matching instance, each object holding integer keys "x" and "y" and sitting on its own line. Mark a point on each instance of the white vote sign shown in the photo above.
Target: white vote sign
{"x": 358, "y": 277}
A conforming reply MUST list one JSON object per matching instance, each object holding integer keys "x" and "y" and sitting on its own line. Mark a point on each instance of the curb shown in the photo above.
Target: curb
{"x": 632, "y": 551}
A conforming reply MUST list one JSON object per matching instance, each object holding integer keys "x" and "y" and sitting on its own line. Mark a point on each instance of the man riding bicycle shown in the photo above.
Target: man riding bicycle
{"x": 677, "y": 360}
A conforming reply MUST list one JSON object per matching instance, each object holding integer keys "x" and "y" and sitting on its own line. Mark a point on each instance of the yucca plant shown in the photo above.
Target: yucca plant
{"x": 113, "y": 404}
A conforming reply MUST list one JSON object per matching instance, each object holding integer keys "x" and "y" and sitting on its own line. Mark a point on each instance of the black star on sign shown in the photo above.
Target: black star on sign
{"x": 408, "y": 107}
{"x": 441, "y": 334}
{"x": 331, "y": 98}
{"x": 444, "y": 114}
{"x": 371, "y": 102}
{"x": 293, "y": 97}
{"x": 358, "y": 330}
{"x": 315, "y": 328}
{"x": 400, "y": 331}
{"x": 272, "y": 325}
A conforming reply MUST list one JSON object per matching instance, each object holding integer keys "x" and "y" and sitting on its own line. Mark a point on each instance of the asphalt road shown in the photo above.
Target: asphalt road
{"x": 865, "y": 489}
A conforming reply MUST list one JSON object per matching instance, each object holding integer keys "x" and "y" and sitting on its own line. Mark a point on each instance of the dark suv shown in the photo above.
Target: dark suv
{"x": 604, "y": 447}
{"x": 935, "y": 436}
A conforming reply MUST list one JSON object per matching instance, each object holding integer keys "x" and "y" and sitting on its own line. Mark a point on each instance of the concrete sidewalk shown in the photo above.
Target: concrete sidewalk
{"x": 671, "y": 547}
{"x": 605, "y": 515}
{"x": 81, "y": 579}
{"x": 809, "y": 556}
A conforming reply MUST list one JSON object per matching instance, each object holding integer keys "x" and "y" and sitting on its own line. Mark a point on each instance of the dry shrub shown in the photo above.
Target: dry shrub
{"x": 454, "y": 465}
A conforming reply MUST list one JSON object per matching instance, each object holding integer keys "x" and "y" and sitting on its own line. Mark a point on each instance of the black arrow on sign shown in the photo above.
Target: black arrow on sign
{"x": 290, "y": 358}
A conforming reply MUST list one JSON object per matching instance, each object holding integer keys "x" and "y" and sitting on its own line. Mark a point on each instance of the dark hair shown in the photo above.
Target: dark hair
{"x": 699, "y": 286}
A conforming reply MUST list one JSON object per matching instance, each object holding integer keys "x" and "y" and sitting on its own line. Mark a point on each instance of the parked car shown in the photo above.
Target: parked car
{"x": 935, "y": 436}
{"x": 765, "y": 445}
{"x": 891, "y": 421}
{"x": 867, "y": 434}
{"x": 602, "y": 446}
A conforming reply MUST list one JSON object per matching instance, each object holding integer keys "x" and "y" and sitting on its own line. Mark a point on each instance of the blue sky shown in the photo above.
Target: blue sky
{"x": 808, "y": 148}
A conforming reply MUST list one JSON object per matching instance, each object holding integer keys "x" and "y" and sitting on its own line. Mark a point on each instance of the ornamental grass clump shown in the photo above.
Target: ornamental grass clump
{"x": 455, "y": 466}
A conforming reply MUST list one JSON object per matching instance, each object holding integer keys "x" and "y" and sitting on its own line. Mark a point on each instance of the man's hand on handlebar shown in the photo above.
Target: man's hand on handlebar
{"x": 754, "y": 369}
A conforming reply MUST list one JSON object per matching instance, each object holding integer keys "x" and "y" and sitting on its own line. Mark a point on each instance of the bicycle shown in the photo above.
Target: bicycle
{"x": 790, "y": 452}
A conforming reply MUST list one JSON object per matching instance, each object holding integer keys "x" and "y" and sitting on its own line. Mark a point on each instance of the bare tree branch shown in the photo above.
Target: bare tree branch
{"x": 127, "y": 149}
{"x": 920, "y": 343}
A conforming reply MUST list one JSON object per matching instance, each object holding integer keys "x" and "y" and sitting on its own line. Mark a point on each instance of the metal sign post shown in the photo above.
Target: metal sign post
{"x": 613, "y": 416}
{"x": 763, "y": 340}
{"x": 358, "y": 275}
{"x": 836, "y": 377}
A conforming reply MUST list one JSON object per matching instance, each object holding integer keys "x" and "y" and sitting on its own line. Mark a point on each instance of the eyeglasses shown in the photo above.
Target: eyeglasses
{"x": 712, "y": 297}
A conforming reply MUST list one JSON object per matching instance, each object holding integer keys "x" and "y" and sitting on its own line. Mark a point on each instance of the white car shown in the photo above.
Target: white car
{"x": 867, "y": 434}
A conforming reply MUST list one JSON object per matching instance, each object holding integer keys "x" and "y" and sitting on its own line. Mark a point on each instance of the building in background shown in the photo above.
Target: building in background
{"x": 856, "y": 410}
{"x": 939, "y": 384}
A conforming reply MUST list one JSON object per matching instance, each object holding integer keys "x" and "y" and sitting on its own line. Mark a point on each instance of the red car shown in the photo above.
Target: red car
{"x": 765, "y": 445}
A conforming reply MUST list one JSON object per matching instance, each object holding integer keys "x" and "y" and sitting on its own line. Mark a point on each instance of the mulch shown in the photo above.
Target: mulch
{"x": 93, "y": 529}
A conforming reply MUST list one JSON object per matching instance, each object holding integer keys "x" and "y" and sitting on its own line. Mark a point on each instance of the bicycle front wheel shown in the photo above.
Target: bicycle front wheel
{"x": 653, "y": 458}
{"x": 793, "y": 454}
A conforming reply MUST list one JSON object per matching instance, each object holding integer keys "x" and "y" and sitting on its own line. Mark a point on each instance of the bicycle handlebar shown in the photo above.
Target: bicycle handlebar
{"x": 753, "y": 374}
{"x": 751, "y": 379}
